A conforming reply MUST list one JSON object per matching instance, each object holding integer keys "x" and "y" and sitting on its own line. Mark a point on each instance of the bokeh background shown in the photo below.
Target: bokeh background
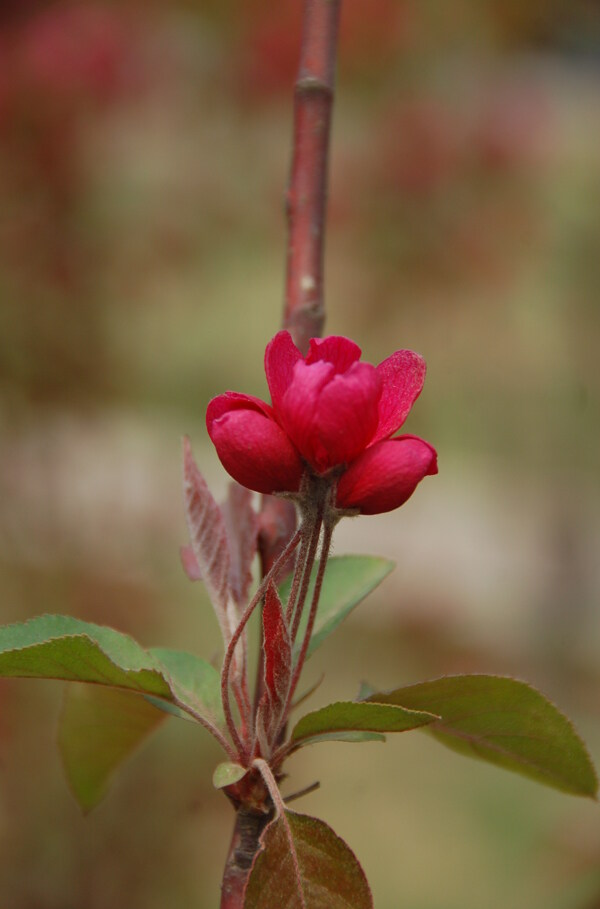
{"x": 144, "y": 149}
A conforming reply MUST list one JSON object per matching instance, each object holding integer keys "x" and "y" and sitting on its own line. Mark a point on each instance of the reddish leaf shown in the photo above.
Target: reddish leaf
{"x": 208, "y": 537}
{"x": 330, "y": 876}
{"x": 190, "y": 563}
{"x": 241, "y": 522}
{"x": 278, "y": 667}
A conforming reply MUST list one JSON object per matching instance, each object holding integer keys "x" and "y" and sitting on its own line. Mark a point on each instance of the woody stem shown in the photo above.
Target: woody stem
{"x": 304, "y": 311}
{"x": 306, "y": 199}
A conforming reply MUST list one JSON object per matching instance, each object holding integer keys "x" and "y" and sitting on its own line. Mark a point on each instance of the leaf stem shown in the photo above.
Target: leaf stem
{"x": 214, "y": 730}
{"x": 314, "y": 532}
{"x": 298, "y": 575}
{"x": 242, "y": 750}
{"x": 325, "y": 548}
{"x": 271, "y": 784}
{"x": 302, "y": 792}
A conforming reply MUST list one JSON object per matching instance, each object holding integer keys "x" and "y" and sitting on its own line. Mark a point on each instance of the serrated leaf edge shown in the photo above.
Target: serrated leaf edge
{"x": 484, "y": 675}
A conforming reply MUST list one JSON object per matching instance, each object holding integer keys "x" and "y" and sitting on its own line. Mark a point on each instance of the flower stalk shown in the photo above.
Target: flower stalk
{"x": 242, "y": 747}
{"x": 325, "y": 548}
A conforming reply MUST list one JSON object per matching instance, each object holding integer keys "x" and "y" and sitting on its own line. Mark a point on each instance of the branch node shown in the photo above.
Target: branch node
{"x": 309, "y": 85}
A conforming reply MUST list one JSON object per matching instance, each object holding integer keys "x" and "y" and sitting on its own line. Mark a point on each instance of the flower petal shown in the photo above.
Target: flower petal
{"x": 253, "y": 448}
{"x": 386, "y": 475}
{"x": 337, "y": 350}
{"x": 298, "y": 408}
{"x": 331, "y": 418}
{"x": 402, "y": 377}
{"x": 281, "y": 356}
{"x": 235, "y": 400}
{"x": 346, "y": 416}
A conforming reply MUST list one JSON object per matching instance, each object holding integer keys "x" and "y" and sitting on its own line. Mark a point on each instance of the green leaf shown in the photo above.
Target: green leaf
{"x": 505, "y": 722}
{"x": 194, "y": 681}
{"x": 227, "y": 773}
{"x": 341, "y": 737}
{"x": 99, "y": 728}
{"x": 365, "y": 690}
{"x": 348, "y": 580}
{"x": 330, "y": 875}
{"x": 62, "y": 647}
{"x": 348, "y": 716}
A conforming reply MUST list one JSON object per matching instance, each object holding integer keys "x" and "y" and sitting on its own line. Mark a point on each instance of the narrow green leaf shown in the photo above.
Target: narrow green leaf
{"x": 348, "y": 716}
{"x": 99, "y": 728}
{"x": 505, "y": 722}
{"x": 330, "y": 876}
{"x": 348, "y": 580}
{"x": 227, "y": 773}
{"x": 341, "y": 737}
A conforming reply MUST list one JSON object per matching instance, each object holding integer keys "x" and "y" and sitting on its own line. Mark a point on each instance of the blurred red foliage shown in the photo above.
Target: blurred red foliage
{"x": 422, "y": 146}
{"x": 60, "y": 65}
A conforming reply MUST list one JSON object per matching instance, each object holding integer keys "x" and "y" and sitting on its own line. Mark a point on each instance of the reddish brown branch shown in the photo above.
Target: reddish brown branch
{"x": 304, "y": 310}
{"x": 244, "y": 843}
{"x": 307, "y": 192}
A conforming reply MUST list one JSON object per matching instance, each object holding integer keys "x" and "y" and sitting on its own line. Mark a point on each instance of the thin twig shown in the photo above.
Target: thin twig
{"x": 302, "y": 792}
{"x": 306, "y": 199}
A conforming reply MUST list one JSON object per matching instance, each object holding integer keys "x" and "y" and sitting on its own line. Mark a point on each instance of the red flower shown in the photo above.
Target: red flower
{"x": 330, "y": 413}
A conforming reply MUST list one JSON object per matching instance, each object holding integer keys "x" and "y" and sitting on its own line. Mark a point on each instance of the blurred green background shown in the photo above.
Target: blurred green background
{"x": 144, "y": 150}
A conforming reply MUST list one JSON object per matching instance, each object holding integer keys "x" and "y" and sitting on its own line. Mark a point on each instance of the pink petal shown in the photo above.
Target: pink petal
{"x": 346, "y": 416}
{"x": 298, "y": 407}
{"x": 339, "y": 351}
{"x": 281, "y": 356}
{"x": 331, "y": 418}
{"x": 386, "y": 475}
{"x": 235, "y": 400}
{"x": 402, "y": 377}
{"x": 254, "y": 450}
